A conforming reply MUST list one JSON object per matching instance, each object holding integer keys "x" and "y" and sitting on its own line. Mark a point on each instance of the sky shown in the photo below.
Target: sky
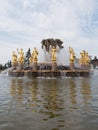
{"x": 25, "y": 23}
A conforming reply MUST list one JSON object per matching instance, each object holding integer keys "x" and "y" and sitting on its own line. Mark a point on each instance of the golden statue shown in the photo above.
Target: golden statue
{"x": 14, "y": 59}
{"x": 84, "y": 58}
{"x": 87, "y": 59}
{"x": 72, "y": 55}
{"x": 31, "y": 60}
{"x": 53, "y": 54}
{"x": 21, "y": 56}
{"x": 34, "y": 54}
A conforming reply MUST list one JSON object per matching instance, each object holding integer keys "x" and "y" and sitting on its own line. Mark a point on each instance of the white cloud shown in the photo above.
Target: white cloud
{"x": 24, "y": 23}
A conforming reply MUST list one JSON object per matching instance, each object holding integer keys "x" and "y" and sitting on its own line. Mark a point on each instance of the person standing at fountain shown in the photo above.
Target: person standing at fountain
{"x": 53, "y": 54}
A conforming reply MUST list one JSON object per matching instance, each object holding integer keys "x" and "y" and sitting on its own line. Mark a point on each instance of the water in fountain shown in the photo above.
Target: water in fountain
{"x": 62, "y": 73}
{"x": 5, "y": 72}
{"x": 94, "y": 72}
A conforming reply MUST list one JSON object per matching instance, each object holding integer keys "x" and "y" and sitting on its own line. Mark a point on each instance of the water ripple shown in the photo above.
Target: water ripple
{"x": 48, "y": 103}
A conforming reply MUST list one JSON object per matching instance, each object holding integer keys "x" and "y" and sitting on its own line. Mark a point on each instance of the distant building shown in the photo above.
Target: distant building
{"x": 94, "y": 62}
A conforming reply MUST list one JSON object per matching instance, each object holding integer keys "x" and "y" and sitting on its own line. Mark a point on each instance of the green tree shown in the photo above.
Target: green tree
{"x": 27, "y": 56}
{"x": 5, "y": 66}
{"x": 8, "y": 64}
{"x": 1, "y": 67}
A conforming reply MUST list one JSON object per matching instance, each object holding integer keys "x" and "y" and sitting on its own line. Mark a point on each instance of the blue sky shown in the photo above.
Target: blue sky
{"x": 25, "y": 23}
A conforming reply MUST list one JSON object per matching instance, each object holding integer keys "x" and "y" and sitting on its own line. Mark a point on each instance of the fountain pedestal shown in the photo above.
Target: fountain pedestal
{"x": 72, "y": 66}
{"x": 34, "y": 65}
{"x": 20, "y": 66}
{"x": 14, "y": 65}
{"x": 54, "y": 66}
{"x": 88, "y": 67}
{"x": 85, "y": 67}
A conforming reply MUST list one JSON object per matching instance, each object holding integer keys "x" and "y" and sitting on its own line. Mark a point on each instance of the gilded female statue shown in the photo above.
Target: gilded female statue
{"x": 72, "y": 55}
{"x": 84, "y": 58}
{"x": 14, "y": 59}
{"x": 53, "y": 54}
{"x": 21, "y": 56}
{"x": 35, "y": 54}
{"x": 87, "y": 59}
{"x": 31, "y": 60}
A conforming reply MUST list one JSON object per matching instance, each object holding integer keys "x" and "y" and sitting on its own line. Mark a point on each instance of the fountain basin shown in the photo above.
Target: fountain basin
{"x": 49, "y": 73}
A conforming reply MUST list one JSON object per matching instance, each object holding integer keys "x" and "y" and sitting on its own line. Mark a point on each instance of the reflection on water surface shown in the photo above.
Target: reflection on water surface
{"x": 48, "y": 103}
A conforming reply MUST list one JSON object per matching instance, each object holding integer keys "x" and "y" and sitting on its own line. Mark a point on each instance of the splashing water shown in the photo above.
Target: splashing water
{"x": 4, "y": 72}
{"x": 95, "y": 72}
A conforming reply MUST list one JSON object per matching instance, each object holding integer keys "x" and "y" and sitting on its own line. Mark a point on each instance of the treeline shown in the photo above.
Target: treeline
{"x": 9, "y": 63}
{"x": 5, "y": 66}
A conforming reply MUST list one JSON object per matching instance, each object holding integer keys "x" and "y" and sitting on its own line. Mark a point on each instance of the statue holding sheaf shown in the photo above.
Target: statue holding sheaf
{"x": 53, "y": 54}
{"x": 84, "y": 58}
{"x": 72, "y": 55}
{"x": 87, "y": 59}
{"x": 14, "y": 59}
{"x": 31, "y": 60}
{"x": 35, "y": 54}
{"x": 21, "y": 56}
